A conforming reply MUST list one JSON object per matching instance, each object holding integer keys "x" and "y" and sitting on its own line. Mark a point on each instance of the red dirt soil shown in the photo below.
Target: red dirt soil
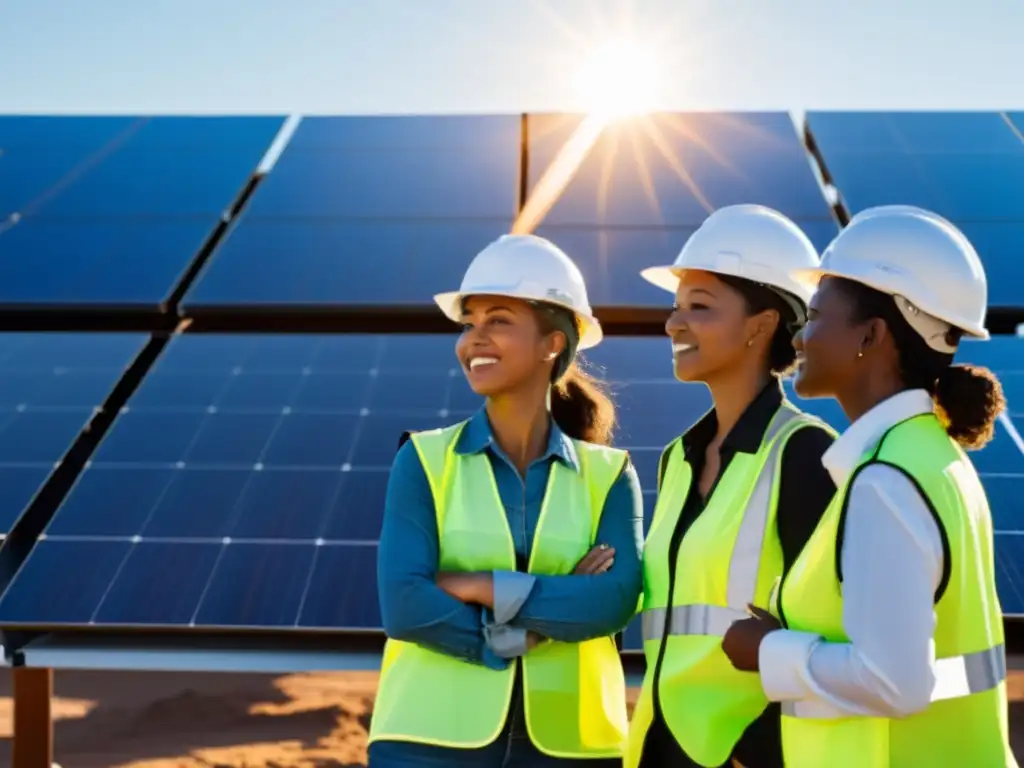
{"x": 173, "y": 720}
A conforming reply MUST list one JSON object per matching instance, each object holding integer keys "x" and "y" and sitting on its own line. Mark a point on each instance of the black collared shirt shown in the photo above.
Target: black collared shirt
{"x": 805, "y": 490}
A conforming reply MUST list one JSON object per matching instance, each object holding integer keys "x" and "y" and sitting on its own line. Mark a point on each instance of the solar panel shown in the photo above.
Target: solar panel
{"x": 50, "y": 386}
{"x": 968, "y": 167}
{"x": 611, "y": 258}
{"x": 255, "y": 467}
{"x": 648, "y": 183}
{"x": 84, "y": 132}
{"x": 330, "y": 262}
{"x": 113, "y": 210}
{"x": 1001, "y": 466}
{"x": 420, "y": 195}
{"x": 671, "y": 170}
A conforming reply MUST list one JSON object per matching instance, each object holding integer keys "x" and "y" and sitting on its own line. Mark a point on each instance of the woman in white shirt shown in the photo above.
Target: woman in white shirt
{"x": 892, "y": 650}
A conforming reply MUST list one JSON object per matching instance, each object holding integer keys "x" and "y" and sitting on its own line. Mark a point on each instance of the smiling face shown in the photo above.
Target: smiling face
{"x": 502, "y": 347}
{"x": 831, "y": 346}
{"x": 711, "y": 329}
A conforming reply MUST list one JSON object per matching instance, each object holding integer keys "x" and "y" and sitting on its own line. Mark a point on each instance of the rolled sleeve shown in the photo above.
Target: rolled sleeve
{"x": 511, "y": 588}
{"x": 504, "y": 641}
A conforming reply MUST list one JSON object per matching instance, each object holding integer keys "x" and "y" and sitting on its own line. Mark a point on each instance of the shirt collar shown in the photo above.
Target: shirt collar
{"x": 747, "y": 434}
{"x": 843, "y": 456}
{"x": 477, "y": 436}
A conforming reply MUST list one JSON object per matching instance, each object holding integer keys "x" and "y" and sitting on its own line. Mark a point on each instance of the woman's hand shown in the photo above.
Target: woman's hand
{"x": 597, "y": 560}
{"x": 473, "y": 588}
{"x": 742, "y": 641}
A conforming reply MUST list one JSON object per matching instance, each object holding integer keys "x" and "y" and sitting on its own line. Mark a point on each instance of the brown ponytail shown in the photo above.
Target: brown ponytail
{"x": 969, "y": 399}
{"x": 582, "y": 408}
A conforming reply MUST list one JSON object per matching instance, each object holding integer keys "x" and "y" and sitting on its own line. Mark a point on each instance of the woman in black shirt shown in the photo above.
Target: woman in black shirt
{"x": 739, "y": 493}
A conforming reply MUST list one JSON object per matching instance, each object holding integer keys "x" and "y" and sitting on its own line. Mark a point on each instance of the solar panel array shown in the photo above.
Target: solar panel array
{"x": 966, "y": 166}
{"x": 110, "y": 211}
{"x": 240, "y": 485}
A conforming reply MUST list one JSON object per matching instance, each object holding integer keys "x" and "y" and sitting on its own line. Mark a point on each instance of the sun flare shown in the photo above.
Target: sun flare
{"x": 618, "y": 80}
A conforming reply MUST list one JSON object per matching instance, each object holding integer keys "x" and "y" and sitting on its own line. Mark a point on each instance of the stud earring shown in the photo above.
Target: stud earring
{"x": 860, "y": 353}
{"x": 750, "y": 343}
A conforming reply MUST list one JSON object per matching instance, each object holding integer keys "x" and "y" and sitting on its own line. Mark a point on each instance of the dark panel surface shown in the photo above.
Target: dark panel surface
{"x": 258, "y": 465}
{"x": 261, "y": 462}
{"x": 112, "y": 210}
{"x": 50, "y": 386}
{"x": 326, "y": 262}
{"x": 968, "y": 167}
{"x": 420, "y": 195}
{"x": 611, "y": 258}
{"x": 674, "y": 169}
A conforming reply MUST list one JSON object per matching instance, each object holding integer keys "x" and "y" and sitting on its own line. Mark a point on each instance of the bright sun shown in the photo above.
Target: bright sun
{"x": 618, "y": 80}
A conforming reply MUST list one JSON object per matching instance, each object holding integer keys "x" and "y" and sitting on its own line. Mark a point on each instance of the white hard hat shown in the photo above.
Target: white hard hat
{"x": 751, "y": 242}
{"x": 530, "y": 268}
{"x": 921, "y": 259}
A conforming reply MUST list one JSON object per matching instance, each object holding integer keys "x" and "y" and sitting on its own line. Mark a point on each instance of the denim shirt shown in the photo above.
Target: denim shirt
{"x": 568, "y": 608}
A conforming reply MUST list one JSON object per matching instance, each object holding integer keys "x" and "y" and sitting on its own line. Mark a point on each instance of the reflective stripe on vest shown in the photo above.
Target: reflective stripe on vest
{"x": 955, "y": 677}
{"x": 743, "y": 570}
{"x": 690, "y": 620}
{"x": 574, "y": 694}
{"x": 965, "y": 721}
{"x": 729, "y": 557}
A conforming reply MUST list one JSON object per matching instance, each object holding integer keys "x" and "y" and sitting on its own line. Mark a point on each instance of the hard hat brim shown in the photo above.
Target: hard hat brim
{"x": 667, "y": 278}
{"x": 664, "y": 277}
{"x": 591, "y": 334}
{"x": 813, "y": 277}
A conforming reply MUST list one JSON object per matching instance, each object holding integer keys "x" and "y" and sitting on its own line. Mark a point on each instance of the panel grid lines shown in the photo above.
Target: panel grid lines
{"x": 111, "y": 213}
{"x": 965, "y": 166}
{"x": 288, "y": 514}
{"x": 51, "y": 386}
{"x": 265, "y": 490}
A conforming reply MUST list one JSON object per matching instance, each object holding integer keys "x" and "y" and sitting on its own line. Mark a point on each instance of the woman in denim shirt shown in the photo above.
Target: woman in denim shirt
{"x": 524, "y": 313}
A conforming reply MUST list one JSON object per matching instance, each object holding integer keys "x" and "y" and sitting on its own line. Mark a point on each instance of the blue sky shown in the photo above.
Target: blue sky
{"x": 368, "y": 56}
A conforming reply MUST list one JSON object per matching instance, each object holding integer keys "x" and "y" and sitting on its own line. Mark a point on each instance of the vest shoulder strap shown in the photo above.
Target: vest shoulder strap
{"x": 788, "y": 419}
{"x": 666, "y": 457}
{"x": 601, "y": 466}
{"x": 434, "y": 447}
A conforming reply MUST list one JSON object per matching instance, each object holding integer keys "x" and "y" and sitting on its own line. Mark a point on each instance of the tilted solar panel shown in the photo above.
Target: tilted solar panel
{"x": 113, "y": 210}
{"x": 330, "y": 262}
{"x": 50, "y": 386}
{"x": 254, "y": 468}
{"x": 611, "y": 258}
{"x": 423, "y": 195}
{"x": 648, "y": 183}
{"x": 968, "y": 167}
{"x": 419, "y": 195}
{"x": 673, "y": 169}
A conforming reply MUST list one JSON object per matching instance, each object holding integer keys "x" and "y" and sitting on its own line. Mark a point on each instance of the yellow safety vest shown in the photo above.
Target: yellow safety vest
{"x": 574, "y": 693}
{"x": 966, "y": 724}
{"x": 731, "y": 556}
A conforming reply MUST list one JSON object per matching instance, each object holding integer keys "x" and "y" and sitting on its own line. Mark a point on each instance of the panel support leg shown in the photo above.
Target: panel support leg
{"x": 32, "y": 746}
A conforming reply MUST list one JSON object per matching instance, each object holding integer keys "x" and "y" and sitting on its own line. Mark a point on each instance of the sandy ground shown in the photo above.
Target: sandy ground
{"x": 148, "y": 720}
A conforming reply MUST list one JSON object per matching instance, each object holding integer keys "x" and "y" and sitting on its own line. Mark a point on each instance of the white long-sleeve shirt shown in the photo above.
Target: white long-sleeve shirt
{"x": 892, "y": 563}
